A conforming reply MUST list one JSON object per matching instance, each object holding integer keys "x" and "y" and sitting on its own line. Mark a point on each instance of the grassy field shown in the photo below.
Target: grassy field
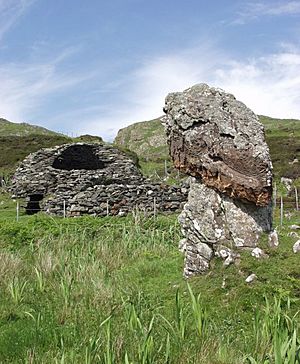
{"x": 110, "y": 290}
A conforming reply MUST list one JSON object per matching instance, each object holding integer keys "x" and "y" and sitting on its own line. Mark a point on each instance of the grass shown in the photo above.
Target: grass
{"x": 15, "y": 148}
{"x": 8, "y": 128}
{"x": 110, "y": 290}
{"x": 283, "y": 138}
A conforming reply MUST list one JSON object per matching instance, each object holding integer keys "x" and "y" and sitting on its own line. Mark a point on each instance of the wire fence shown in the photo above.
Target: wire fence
{"x": 22, "y": 208}
{"x": 18, "y": 209}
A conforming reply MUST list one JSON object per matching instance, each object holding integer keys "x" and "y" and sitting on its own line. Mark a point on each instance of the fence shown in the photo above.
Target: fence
{"x": 20, "y": 208}
{"x": 17, "y": 209}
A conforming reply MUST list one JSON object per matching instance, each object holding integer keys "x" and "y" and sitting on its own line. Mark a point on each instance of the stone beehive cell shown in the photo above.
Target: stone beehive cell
{"x": 87, "y": 178}
{"x": 219, "y": 141}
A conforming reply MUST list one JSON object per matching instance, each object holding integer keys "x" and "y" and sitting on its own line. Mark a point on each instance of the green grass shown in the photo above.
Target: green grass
{"x": 283, "y": 138}
{"x": 7, "y": 128}
{"x": 110, "y": 290}
{"x": 15, "y": 148}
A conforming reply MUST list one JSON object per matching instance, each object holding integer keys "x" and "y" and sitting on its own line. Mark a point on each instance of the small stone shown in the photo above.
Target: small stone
{"x": 182, "y": 245}
{"x": 223, "y": 253}
{"x": 273, "y": 239}
{"x": 293, "y": 234}
{"x": 296, "y": 247}
{"x": 250, "y": 278}
{"x": 257, "y": 253}
{"x": 287, "y": 182}
{"x": 294, "y": 227}
{"x": 229, "y": 260}
{"x": 239, "y": 242}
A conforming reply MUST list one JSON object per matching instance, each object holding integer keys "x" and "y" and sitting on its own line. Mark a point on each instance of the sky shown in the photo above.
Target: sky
{"x": 95, "y": 66}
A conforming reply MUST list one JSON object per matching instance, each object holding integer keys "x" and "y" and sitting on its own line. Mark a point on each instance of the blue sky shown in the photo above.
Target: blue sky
{"x": 96, "y": 66}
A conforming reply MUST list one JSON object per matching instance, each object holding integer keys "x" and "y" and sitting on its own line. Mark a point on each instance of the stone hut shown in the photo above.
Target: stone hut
{"x": 84, "y": 178}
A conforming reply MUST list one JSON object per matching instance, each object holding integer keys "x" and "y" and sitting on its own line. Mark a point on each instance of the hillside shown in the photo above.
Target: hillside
{"x": 147, "y": 139}
{"x": 8, "y": 128}
{"x": 19, "y": 140}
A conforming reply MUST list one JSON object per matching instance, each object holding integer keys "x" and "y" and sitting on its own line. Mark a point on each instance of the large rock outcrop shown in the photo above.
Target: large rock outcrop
{"x": 84, "y": 178}
{"x": 213, "y": 136}
{"x": 219, "y": 141}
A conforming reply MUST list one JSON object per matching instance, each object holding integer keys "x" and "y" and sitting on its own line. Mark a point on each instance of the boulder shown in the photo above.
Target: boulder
{"x": 296, "y": 247}
{"x": 220, "y": 142}
{"x": 216, "y": 138}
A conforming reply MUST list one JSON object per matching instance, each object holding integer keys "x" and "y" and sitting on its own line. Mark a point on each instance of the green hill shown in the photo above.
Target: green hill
{"x": 148, "y": 140}
{"x": 8, "y": 128}
{"x": 283, "y": 138}
{"x": 19, "y": 140}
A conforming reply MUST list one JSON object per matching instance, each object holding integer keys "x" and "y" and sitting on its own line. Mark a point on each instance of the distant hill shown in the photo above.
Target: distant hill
{"x": 19, "y": 140}
{"x": 8, "y": 128}
{"x": 148, "y": 140}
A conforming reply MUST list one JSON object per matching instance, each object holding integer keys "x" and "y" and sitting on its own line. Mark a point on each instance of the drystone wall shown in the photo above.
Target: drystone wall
{"x": 97, "y": 179}
{"x": 220, "y": 142}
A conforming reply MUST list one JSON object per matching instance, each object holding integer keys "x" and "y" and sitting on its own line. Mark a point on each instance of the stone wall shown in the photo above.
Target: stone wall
{"x": 93, "y": 179}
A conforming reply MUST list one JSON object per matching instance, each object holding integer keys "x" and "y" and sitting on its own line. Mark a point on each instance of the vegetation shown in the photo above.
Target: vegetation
{"x": 15, "y": 148}
{"x": 7, "y": 128}
{"x": 283, "y": 138}
{"x": 110, "y": 290}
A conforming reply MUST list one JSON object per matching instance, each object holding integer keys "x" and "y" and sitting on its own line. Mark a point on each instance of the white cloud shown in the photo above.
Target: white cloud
{"x": 269, "y": 85}
{"x": 25, "y": 86}
{"x": 10, "y": 12}
{"x": 254, "y": 10}
{"x": 145, "y": 89}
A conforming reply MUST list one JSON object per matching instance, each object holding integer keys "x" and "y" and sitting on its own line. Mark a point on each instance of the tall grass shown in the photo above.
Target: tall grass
{"x": 111, "y": 291}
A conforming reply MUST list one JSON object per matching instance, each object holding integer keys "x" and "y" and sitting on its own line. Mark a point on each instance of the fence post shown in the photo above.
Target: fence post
{"x": 275, "y": 195}
{"x": 64, "y": 207}
{"x": 296, "y": 197}
{"x": 166, "y": 169}
{"x": 281, "y": 210}
{"x": 18, "y": 210}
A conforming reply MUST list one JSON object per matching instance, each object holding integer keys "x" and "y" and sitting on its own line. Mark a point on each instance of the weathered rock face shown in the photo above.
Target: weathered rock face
{"x": 213, "y": 136}
{"x": 220, "y": 142}
{"x": 212, "y": 222}
{"x": 84, "y": 178}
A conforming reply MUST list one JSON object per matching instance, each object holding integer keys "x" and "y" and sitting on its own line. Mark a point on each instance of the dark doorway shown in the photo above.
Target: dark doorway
{"x": 33, "y": 205}
{"x": 78, "y": 157}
